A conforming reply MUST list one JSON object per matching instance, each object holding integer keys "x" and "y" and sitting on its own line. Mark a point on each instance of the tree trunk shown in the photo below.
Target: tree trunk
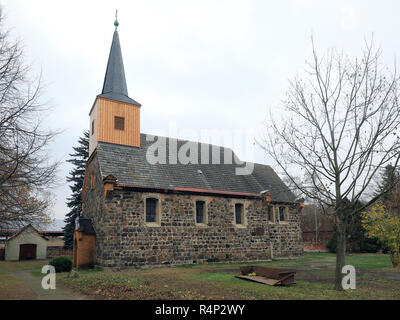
{"x": 395, "y": 257}
{"x": 340, "y": 256}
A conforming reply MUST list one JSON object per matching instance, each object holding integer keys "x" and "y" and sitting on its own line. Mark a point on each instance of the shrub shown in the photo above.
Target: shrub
{"x": 61, "y": 264}
{"x": 331, "y": 245}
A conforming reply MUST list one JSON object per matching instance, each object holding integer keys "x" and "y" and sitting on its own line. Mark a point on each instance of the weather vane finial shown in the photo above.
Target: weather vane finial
{"x": 116, "y": 24}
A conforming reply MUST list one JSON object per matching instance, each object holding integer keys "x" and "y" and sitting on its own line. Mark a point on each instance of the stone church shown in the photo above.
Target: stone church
{"x": 137, "y": 212}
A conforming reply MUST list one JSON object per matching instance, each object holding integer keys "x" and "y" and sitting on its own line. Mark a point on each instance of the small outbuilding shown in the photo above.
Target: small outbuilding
{"x": 26, "y": 244}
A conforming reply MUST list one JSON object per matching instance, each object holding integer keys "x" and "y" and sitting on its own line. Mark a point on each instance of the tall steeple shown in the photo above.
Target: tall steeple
{"x": 114, "y": 116}
{"x": 114, "y": 86}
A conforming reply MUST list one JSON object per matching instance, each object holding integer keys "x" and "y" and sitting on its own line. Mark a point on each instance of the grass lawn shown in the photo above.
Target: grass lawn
{"x": 10, "y": 286}
{"x": 314, "y": 280}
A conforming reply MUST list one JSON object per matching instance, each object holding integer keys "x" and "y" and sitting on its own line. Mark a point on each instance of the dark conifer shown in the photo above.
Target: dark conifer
{"x": 388, "y": 181}
{"x": 76, "y": 176}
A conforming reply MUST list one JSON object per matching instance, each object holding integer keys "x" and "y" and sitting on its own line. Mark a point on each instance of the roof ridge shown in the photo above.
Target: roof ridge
{"x": 178, "y": 139}
{"x": 130, "y": 167}
{"x": 25, "y": 228}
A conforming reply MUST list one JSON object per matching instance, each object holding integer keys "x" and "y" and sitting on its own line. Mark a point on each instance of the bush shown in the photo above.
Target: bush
{"x": 61, "y": 264}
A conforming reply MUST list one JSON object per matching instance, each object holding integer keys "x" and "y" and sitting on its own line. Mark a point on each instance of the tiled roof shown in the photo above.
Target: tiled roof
{"x": 131, "y": 168}
{"x": 25, "y": 228}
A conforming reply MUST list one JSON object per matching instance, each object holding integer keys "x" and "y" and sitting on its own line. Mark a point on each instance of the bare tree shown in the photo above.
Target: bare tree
{"x": 341, "y": 127}
{"x": 26, "y": 172}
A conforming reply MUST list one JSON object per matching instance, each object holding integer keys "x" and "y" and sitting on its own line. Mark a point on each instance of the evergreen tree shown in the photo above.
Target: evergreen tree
{"x": 76, "y": 176}
{"x": 389, "y": 179}
{"x": 357, "y": 240}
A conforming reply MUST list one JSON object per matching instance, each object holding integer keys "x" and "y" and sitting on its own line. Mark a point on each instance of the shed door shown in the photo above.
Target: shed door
{"x": 27, "y": 251}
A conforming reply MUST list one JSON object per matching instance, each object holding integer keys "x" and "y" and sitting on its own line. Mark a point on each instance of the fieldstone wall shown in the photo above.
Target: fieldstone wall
{"x": 123, "y": 239}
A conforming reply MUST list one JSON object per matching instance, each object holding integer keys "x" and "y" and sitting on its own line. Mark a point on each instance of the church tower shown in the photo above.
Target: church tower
{"x": 114, "y": 117}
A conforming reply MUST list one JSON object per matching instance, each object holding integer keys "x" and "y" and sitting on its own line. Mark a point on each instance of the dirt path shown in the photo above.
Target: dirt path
{"x": 35, "y": 284}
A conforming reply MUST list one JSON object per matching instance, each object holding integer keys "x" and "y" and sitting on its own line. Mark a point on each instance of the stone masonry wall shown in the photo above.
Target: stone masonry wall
{"x": 123, "y": 239}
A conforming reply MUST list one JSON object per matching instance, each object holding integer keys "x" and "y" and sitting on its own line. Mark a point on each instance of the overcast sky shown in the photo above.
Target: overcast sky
{"x": 191, "y": 64}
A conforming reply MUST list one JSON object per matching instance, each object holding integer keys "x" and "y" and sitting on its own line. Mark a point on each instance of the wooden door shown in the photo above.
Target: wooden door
{"x": 27, "y": 251}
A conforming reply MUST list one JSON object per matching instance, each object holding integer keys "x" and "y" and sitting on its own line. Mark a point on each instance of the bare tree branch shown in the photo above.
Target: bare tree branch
{"x": 342, "y": 128}
{"x": 26, "y": 173}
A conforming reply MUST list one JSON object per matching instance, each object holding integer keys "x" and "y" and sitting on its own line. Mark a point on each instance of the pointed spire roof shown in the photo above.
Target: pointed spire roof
{"x": 114, "y": 86}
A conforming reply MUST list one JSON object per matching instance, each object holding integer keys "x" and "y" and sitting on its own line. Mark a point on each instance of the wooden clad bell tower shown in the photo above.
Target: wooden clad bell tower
{"x": 114, "y": 117}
